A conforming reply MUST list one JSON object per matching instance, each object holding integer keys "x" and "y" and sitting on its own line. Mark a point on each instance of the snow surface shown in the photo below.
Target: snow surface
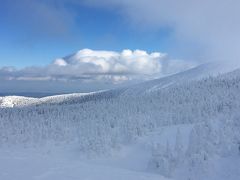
{"x": 129, "y": 163}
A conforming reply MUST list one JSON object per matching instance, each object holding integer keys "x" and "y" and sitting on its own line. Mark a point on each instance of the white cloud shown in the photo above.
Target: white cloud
{"x": 60, "y": 62}
{"x": 110, "y": 62}
{"x": 108, "y": 66}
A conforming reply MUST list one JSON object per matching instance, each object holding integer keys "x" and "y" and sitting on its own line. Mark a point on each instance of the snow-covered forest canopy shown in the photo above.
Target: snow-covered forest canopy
{"x": 190, "y": 125}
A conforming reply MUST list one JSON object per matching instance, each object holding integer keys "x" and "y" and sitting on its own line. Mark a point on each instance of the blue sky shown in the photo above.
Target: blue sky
{"x": 23, "y": 43}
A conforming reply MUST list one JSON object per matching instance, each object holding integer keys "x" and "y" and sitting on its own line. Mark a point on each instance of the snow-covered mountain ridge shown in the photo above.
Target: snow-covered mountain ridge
{"x": 196, "y": 73}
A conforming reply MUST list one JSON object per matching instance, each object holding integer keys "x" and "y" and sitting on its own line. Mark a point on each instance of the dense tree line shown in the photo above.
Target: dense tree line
{"x": 105, "y": 121}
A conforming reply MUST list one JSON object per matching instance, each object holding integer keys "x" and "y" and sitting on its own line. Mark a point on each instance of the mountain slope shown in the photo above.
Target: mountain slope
{"x": 197, "y": 73}
{"x": 186, "y": 130}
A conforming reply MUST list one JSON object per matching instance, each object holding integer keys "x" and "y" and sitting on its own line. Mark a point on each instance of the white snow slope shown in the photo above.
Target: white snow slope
{"x": 180, "y": 127}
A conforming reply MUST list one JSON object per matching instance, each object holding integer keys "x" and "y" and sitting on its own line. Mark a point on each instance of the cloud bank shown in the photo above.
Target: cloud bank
{"x": 109, "y": 66}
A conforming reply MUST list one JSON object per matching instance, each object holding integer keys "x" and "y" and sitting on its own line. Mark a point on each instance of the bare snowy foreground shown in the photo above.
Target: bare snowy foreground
{"x": 181, "y": 127}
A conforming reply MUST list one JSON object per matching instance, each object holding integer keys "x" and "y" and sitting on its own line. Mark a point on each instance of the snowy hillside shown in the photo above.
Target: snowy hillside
{"x": 185, "y": 126}
{"x": 11, "y": 101}
{"x": 76, "y": 98}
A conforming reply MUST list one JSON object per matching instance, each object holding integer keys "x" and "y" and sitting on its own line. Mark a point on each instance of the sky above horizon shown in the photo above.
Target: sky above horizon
{"x": 37, "y": 32}
{"x": 111, "y": 41}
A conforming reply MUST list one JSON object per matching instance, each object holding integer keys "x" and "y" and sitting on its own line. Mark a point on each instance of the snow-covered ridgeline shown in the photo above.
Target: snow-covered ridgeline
{"x": 196, "y": 73}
